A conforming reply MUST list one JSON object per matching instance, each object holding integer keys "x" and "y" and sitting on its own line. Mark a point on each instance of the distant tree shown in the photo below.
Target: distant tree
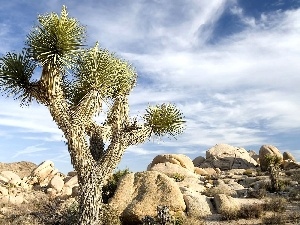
{"x": 74, "y": 84}
{"x": 273, "y": 165}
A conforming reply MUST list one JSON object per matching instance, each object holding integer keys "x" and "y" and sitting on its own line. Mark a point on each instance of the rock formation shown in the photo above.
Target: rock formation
{"x": 267, "y": 150}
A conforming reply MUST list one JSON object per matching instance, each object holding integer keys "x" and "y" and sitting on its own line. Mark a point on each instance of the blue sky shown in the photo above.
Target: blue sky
{"x": 231, "y": 66}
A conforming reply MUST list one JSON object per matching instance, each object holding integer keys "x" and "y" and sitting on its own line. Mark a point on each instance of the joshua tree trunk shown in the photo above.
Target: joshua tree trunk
{"x": 90, "y": 199}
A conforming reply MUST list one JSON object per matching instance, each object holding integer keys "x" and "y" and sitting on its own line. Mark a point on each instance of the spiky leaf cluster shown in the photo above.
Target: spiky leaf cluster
{"x": 55, "y": 40}
{"x": 16, "y": 71}
{"x": 98, "y": 69}
{"x": 164, "y": 119}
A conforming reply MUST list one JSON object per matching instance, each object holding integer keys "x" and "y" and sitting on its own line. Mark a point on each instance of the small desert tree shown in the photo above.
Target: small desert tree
{"x": 273, "y": 165}
{"x": 74, "y": 84}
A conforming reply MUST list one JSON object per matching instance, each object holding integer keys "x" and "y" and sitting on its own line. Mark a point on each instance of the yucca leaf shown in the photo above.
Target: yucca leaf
{"x": 101, "y": 70}
{"x": 164, "y": 119}
{"x": 56, "y": 39}
{"x": 16, "y": 71}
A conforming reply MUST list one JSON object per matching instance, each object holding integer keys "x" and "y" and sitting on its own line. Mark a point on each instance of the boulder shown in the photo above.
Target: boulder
{"x": 211, "y": 171}
{"x": 288, "y": 156}
{"x": 43, "y": 173}
{"x": 66, "y": 192}
{"x": 172, "y": 170}
{"x": 57, "y": 183}
{"x": 267, "y": 150}
{"x": 198, "y": 160}
{"x": 3, "y": 191}
{"x": 254, "y": 155}
{"x": 227, "y": 157}
{"x": 139, "y": 194}
{"x": 200, "y": 171}
{"x": 72, "y": 173}
{"x": 198, "y": 205}
{"x": 71, "y": 182}
{"x": 178, "y": 159}
{"x": 12, "y": 199}
{"x": 9, "y": 177}
{"x": 192, "y": 183}
{"x": 226, "y": 204}
{"x": 290, "y": 164}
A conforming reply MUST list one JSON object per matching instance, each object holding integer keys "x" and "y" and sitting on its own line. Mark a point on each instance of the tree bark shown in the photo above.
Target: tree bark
{"x": 90, "y": 198}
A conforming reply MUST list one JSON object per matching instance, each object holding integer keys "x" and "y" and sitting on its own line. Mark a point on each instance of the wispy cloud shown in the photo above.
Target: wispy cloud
{"x": 30, "y": 150}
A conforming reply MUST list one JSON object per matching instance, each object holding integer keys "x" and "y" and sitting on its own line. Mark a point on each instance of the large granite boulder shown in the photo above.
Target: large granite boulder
{"x": 198, "y": 160}
{"x": 227, "y": 157}
{"x": 172, "y": 170}
{"x": 288, "y": 156}
{"x": 43, "y": 173}
{"x": 139, "y": 194}
{"x": 226, "y": 204}
{"x": 197, "y": 205}
{"x": 178, "y": 159}
{"x": 267, "y": 150}
{"x": 9, "y": 177}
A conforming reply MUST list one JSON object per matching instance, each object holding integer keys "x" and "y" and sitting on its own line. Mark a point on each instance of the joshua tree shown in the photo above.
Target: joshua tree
{"x": 75, "y": 83}
{"x": 273, "y": 165}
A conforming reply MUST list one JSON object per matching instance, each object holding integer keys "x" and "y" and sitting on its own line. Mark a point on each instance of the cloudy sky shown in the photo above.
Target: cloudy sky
{"x": 231, "y": 66}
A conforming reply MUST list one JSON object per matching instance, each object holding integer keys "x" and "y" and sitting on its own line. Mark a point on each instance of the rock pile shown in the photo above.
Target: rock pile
{"x": 44, "y": 177}
{"x": 195, "y": 188}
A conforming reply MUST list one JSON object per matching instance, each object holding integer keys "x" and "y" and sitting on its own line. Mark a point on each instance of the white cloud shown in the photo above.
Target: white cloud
{"x": 141, "y": 151}
{"x": 240, "y": 91}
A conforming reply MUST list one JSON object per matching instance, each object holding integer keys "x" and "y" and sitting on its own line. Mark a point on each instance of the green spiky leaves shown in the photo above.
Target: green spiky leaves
{"x": 16, "y": 71}
{"x": 55, "y": 40}
{"x": 98, "y": 69}
{"x": 164, "y": 119}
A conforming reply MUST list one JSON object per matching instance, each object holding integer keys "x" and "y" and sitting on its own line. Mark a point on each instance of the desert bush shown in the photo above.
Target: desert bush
{"x": 276, "y": 204}
{"x": 251, "y": 211}
{"x": 110, "y": 187}
{"x": 260, "y": 193}
{"x": 294, "y": 194}
{"x": 178, "y": 177}
{"x": 249, "y": 172}
{"x": 230, "y": 214}
{"x": 211, "y": 192}
{"x": 274, "y": 219}
{"x": 163, "y": 217}
{"x": 54, "y": 213}
{"x": 245, "y": 212}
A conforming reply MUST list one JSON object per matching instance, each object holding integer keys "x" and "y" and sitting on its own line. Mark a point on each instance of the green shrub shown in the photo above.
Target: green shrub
{"x": 273, "y": 164}
{"x": 109, "y": 189}
{"x": 178, "y": 177}
{"x": 249, "y": 172}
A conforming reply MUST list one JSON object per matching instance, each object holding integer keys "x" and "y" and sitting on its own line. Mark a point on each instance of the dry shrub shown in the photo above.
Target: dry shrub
{"x": 294, "y": 194}
{"x": 260, "y": 193}
{"x": 229, "y": 214}
{"x": 251, "y": 211}
{"x": 274, "y": 219}
{"x": 221, "y": 189}
{"x": 245, "y": 212}
{"x": 276, "y": 204}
